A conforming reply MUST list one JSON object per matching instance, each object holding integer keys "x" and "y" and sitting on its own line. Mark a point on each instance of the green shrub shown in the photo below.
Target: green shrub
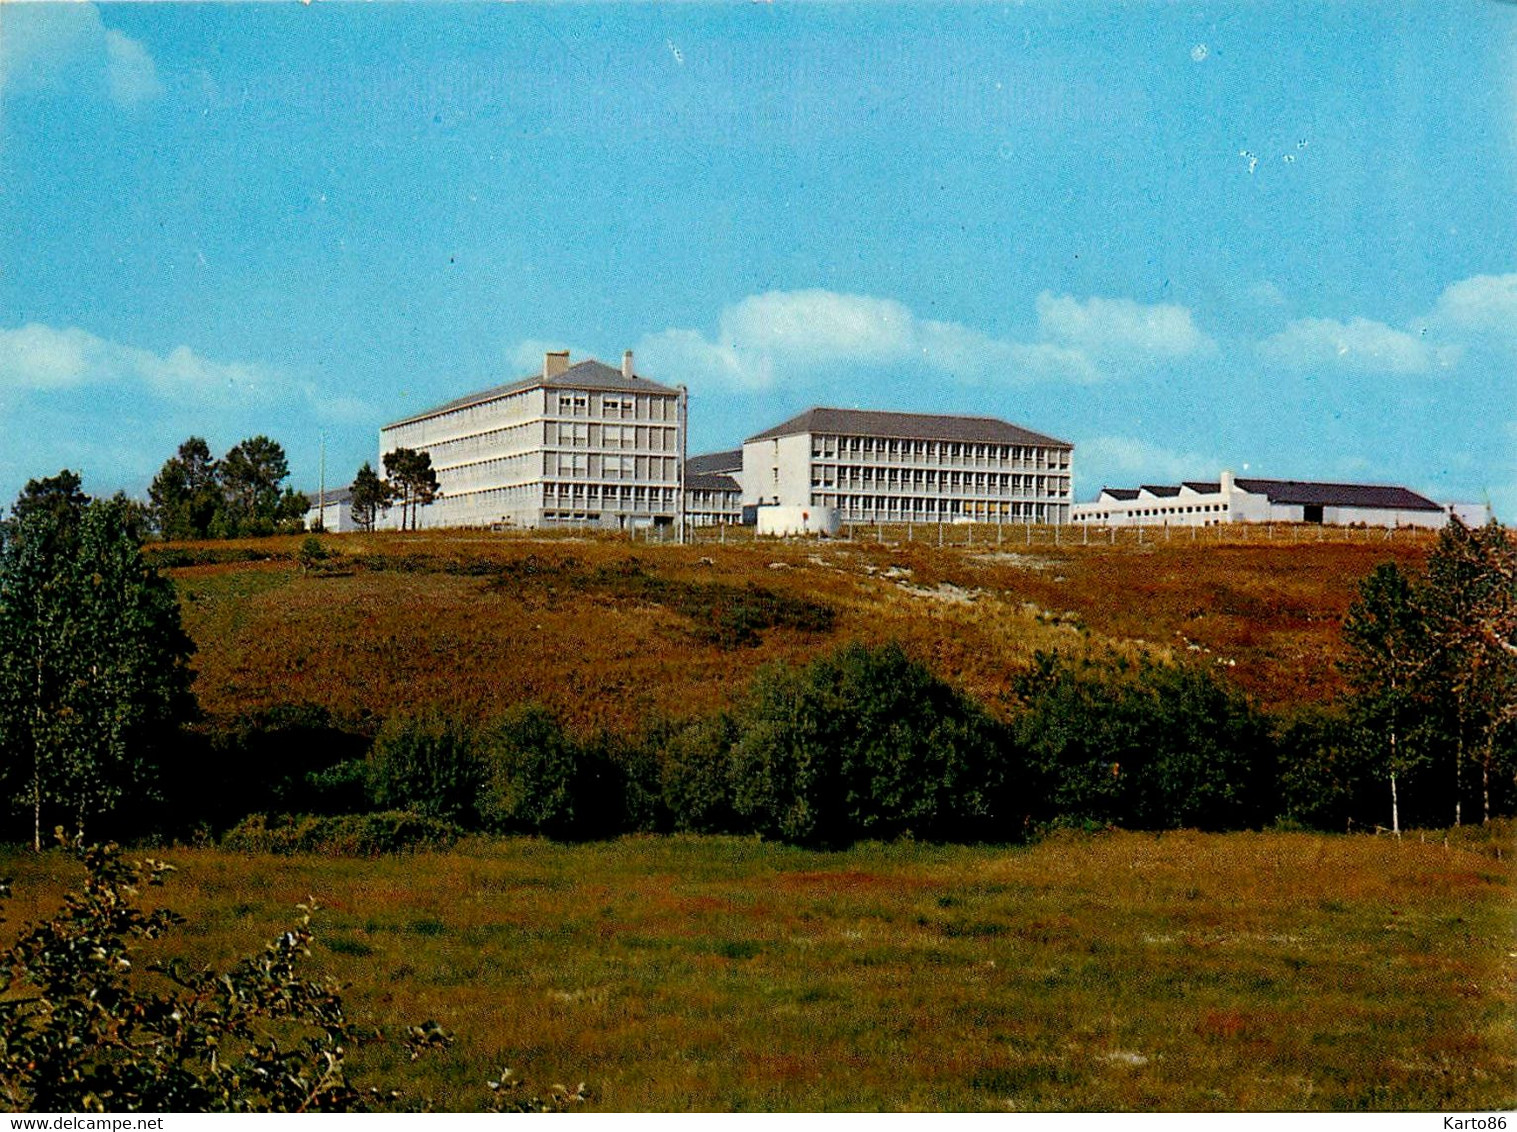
{"x": 866, "y": 743}
{"x": 1326, "y": 774}
{"x": 80, "y": 1032}
{"x": 346, "y": 835}
{"x": 429, "y": 763}
{"x": 628, "y": 791}
{"x": 696, "y": 776}
{"x": 533, "y": 776}
{"x": 282, "y": 759}
{"x": 1146, "y": 746}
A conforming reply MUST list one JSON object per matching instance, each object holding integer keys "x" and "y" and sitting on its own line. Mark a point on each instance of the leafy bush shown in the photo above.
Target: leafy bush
{"x": 1326, "y": 774}
{"x": 866, "y": 743}
{"x": 1146, "y": 745}
{"x": 80, "y": 1032}
{"x": 696, "y": 775}
{"x": 280, "y": 760}
{"x": 427, "y": 763}
{"x": 535, "y": 782}
{"x": 346, "y": 835}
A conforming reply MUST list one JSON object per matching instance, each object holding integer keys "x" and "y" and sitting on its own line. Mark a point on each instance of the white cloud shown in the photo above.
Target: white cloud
{"x": 821, "y": 326}
{"x": 39, "y": 359}
{"x": 767, "y": 340}
{"x": 1122, "y": 328}
{"x": 54, "y": 48}
{"x": 1124, "y": 461}
{"x": 1360, "y": 345}
{"x": 1266, "y": 293}
{"x": 1482, "y": 303}
{"x": 129, "y": 71}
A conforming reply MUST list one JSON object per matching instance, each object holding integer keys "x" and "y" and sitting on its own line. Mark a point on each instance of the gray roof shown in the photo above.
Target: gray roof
{"x": 1384, "y": 497}
{"x": 908, "y": 426}
{"x": 709, "y": 481}
{"x": 1377, "y": 496}
{"x": 589, "y": 374}
{"x": 715, "y": 462}
{"x": 333, "y": 495}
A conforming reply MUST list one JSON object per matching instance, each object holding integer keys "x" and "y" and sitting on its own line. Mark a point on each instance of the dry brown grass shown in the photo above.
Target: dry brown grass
{"x": 360, "y": 638}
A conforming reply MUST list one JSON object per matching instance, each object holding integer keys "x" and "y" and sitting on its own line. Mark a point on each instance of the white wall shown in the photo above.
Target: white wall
{"x": 778, "y": 469}
{"x": 782, "y": 520}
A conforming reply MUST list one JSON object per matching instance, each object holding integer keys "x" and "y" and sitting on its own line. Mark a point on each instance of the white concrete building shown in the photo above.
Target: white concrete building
{"x": 1234, "y": 500}
{"x": 713, "y": 496}
{"x": 333, "y": 512}
{"x": 576, "y": 445}
{"x": 908, "y": 467}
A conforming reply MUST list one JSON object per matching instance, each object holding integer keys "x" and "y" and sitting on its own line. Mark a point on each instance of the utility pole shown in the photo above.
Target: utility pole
{"x": 684, "y": 416}
{"x": 321, "y": 490}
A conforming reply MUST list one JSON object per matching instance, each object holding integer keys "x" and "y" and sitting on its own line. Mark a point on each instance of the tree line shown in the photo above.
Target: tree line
{"x": 196, "y": 496}
{"x": 1433, "y": 666}
{"x": 99, "y": 727}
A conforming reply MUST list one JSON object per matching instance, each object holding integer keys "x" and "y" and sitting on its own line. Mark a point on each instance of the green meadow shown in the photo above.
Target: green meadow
{"x": 1113, "y": 971}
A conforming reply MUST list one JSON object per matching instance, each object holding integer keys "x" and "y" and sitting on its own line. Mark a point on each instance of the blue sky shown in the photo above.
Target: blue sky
{"x": 1279, "y": 238}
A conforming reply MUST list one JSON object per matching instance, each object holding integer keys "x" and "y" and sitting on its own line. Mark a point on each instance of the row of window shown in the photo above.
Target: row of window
{"x": 1156, "y": 512}
{"x": 416, "y": 433}
{"x": 930, "y": 479}
{"x": 864, "y": 508}
{"x": 481, "y": 473}
{"x": 611, "y": 496}
{"x": 613, "y": 406}
{"x": 583, "y": 434}
{"x": 596, "y": 465}
{"x": 936, "y": 451}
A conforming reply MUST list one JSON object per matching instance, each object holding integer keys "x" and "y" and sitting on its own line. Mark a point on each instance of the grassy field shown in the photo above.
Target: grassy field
{"x": 475, "y": 622}
{"x": 1115, "y": 971}
{"x": 1107, "y": 972}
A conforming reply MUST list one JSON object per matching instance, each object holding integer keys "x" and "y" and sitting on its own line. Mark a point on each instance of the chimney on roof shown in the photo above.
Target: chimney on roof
{"x": 627, "y": 364}
{"x": 1227, "y": 482}
{"x": 555, "y": 362}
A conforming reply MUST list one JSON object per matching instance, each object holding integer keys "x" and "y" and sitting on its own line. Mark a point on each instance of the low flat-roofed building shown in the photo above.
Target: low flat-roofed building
{"x": 889, "y": 467}
{"x": 576, "y": 445}
{"x": 332, "y": 512}
{"x": 1231, "y": 499}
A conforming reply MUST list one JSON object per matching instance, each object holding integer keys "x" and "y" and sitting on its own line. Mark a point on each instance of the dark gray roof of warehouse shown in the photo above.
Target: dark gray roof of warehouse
{"x": 908, "y": 426}
{"x": 589, "y": 374}
{"x": 1382, "y": 496}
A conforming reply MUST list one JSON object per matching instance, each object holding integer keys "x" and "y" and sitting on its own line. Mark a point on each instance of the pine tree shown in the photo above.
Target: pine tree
{"x": 372, "y": 497}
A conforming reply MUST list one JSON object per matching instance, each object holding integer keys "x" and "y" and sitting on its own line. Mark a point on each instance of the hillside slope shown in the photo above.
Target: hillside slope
{"x": 611, "y": 633}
